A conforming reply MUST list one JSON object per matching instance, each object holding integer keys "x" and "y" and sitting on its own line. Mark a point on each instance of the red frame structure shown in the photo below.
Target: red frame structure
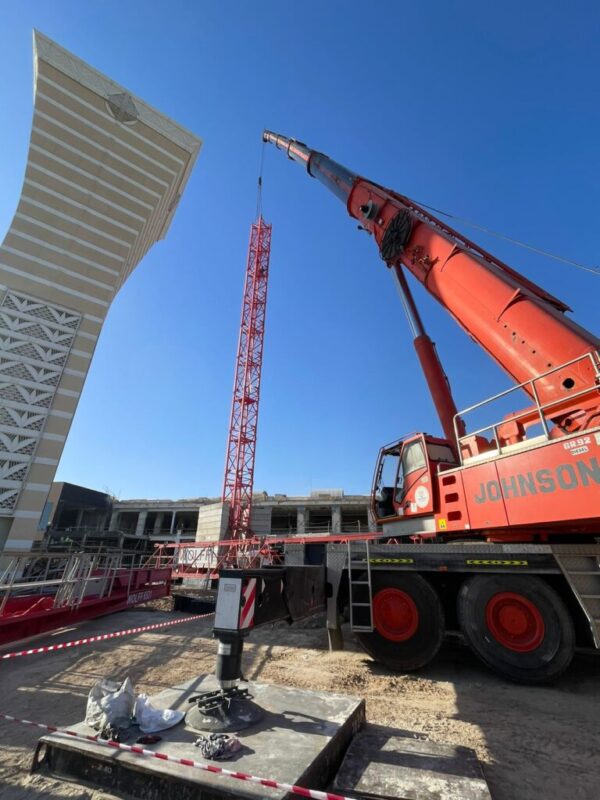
{"x": 241, "y": 443}
{"x": 29, "y": 607}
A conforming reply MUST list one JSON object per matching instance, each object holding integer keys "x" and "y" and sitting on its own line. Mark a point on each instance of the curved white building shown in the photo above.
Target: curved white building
{"x": 104, "y": 174}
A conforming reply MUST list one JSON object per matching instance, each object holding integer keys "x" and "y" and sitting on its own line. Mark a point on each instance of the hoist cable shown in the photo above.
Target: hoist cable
{"x": 524, "y": 245}
{"x": 260, "y": 176}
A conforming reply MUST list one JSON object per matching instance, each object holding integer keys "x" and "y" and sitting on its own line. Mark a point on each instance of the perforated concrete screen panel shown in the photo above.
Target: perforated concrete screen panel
{"x": 103, "y": 178}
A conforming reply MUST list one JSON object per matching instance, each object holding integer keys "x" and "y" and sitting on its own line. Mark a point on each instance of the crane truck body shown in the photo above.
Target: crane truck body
{"x": 495, "y": 531}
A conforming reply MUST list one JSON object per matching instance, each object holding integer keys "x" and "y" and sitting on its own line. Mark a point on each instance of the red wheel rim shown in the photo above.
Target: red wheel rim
{"x": 515, "y": 622}
{"x": 395, "y": 615}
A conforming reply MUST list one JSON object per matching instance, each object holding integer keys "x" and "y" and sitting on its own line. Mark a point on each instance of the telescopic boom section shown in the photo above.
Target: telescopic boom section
{"x": 520, "y": 325}
{"x": 241, "y": 444}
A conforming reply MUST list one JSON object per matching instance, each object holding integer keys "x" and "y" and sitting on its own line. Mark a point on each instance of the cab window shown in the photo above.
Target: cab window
{"x": 413, "y": 457}
{"x": 440, "y": 452}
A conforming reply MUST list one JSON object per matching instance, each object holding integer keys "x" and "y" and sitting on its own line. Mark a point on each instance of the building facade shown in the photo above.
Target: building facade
{"x": 103, "y": 177}
{"x": 205, "y": 519}
{"x": 77, "y": 510}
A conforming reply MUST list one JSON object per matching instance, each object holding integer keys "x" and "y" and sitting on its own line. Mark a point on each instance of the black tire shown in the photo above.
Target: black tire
{"x": 418, "y": 642}
{"x": 535, "y": 645}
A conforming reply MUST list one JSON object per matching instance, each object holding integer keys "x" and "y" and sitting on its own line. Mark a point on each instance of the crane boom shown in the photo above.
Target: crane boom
{"x": 520, "y": 325}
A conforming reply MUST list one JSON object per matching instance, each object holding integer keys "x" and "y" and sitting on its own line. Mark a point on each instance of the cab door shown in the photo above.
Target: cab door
{"x": 385, "y": 482}
{"x": 414, "y": 494}
{"x": 402, "y": 486}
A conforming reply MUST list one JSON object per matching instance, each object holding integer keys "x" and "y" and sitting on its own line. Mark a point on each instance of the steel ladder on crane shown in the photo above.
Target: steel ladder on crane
{"x": 360, "y": 587}
{"x": 581, "y": 567}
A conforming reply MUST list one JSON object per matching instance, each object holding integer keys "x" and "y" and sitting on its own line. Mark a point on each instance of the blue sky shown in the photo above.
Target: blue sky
{"x": 490, "y": 111}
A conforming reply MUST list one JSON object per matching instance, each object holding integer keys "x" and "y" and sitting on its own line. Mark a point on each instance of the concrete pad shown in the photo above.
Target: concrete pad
{"x": 387, "y": 763}
{"x": 301, "y": 739}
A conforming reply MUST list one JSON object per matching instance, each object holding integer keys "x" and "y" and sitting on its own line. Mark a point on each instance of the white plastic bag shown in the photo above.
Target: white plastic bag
{"x": 110, "y": 703}
{"x": 151, "y": 719}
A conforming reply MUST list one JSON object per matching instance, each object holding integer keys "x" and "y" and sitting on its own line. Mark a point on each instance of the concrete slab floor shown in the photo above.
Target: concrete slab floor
{"x": 301, "y": 740}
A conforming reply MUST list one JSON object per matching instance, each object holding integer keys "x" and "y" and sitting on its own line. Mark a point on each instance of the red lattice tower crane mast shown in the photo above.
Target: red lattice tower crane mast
{"x": 241, "y": 444}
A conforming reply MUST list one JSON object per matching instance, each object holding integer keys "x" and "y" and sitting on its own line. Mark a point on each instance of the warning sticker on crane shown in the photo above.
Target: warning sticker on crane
{"x": 422, "y": 497}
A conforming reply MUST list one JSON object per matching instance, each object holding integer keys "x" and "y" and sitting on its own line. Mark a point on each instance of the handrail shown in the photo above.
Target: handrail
{"x": 75, "y": 573}
{"x": 593, "y": 357}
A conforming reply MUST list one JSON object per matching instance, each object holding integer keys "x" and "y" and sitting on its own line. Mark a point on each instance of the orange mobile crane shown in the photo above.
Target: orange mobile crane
{"x": 493, "y": 531}
{"x": 531, "y": 476}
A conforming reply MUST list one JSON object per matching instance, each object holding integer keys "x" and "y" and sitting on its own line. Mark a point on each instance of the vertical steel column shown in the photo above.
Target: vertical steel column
{"x": 241, "y": 444}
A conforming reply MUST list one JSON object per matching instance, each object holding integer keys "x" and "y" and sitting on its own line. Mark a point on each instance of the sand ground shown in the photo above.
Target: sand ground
{"x": 533, "y": 743}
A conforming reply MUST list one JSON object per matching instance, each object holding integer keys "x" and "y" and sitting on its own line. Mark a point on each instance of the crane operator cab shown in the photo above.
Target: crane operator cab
{"x": 404, "y": 495}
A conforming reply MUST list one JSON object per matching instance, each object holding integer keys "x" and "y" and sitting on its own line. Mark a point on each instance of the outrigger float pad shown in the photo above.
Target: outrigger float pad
{"x": 301, "y": 740}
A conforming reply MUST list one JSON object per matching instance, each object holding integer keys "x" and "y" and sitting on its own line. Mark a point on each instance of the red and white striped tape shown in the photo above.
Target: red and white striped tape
{"x": 48, "y": 648}
{"x": 185, "y": 762}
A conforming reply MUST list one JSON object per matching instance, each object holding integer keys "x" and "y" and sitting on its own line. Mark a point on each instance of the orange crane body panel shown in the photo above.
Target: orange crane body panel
{"x": 556, "y": 482}
{"x": 530, "y": 493}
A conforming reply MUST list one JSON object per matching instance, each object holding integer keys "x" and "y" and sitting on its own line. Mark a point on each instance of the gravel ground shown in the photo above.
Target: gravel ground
{"x": 533, "y": 742}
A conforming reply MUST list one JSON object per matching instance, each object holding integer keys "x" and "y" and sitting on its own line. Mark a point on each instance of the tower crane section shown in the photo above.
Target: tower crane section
{"x": 241, "y": 441}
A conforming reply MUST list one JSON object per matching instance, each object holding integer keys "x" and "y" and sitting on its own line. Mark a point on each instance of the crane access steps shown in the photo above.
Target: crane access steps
{"x": 360, "y": 587}
{"x": 581, "y": 567}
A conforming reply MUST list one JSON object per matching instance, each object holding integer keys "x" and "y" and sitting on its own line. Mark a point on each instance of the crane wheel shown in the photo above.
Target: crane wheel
{"x": 408, "y": 622}
{"x": 518, "y": 626}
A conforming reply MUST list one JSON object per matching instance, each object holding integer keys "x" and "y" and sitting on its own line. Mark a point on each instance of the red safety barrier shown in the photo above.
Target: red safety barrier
{"x": 185, "y": 762}
{"x": 48, "y": 648}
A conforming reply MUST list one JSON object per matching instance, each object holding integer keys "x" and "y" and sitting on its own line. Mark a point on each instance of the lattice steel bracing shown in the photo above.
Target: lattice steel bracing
{"x": 241, "y": 445}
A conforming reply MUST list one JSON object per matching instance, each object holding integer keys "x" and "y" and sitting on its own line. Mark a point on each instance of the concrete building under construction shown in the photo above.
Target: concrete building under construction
{"x": 75, "y": 509}
{"x": 323, "y": 511}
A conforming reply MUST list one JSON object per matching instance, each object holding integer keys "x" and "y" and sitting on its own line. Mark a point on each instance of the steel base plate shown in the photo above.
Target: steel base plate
{"x": 233, "y": 713}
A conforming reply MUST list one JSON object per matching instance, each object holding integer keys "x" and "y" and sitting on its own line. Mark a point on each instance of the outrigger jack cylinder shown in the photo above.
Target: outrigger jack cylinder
{"x": 230, "y": 708}
{"x": 246, "y": 599}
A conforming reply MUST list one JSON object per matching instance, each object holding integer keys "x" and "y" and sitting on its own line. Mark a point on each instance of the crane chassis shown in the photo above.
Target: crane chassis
{"x": 522, "y": 608}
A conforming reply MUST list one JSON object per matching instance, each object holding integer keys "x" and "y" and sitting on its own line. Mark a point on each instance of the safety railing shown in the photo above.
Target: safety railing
{"x": 540, "y": 410}
{"x": 68, "y": 577}
{"x": 68, "y": 540}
